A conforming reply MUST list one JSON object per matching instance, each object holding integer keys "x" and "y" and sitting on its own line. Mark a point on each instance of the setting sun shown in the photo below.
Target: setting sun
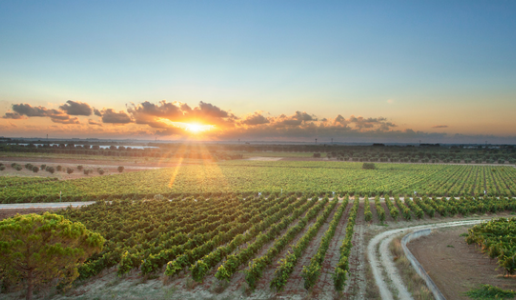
{"x": 192, "y": 128}
{"x": 197, "y": 128}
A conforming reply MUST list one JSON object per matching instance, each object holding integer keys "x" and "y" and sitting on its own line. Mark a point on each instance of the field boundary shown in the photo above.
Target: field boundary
{"x": 415, "y": 263}
{"x": 381, "y": 261}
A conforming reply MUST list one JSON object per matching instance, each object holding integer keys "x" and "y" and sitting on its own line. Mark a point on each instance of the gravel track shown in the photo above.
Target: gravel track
{"x": 383, "y": 262}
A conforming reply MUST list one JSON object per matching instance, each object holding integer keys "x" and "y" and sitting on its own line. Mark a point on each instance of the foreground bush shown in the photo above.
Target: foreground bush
{"x": 38, "y": 249}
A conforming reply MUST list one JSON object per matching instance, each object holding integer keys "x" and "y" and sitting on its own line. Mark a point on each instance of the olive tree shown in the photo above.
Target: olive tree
{"x": 40, "y": 250}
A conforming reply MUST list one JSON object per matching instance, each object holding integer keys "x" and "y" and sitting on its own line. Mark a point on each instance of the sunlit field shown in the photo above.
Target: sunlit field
{"x": 239, "y": 176}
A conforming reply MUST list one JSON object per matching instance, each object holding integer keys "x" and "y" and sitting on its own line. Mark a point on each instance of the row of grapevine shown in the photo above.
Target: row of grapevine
{"x": 161, "y": 255}
{"x": 190, "y": 256}
{"x": 368, "y": 215}
{"x": 405, "y": 211}
{"x": 213, "y": 229}
{"x": 287, "y": 264}
{"x": 379, "y": 209}
{"x": 393, "y": 211}
{"x": 341, "y": 271}
{"x": 415, "y": 209}
{"x": 256, "y": 267}
{"x": 428, "y": 209}
{"x": 312, "y": 272}
{"x": 201, "y": 267}
{"x": 135, "y": 229}
{"x": 230, "y": 266}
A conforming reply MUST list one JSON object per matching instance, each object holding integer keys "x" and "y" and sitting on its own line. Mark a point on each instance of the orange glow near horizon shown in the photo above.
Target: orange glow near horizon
{"x": 193, "y": 128}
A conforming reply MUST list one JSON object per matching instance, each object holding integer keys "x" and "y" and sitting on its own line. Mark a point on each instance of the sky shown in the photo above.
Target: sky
{"x": 390, "y": 71}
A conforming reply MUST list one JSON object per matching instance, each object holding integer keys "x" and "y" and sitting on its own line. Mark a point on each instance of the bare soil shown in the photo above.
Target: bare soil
{"x": 455, "y": 266}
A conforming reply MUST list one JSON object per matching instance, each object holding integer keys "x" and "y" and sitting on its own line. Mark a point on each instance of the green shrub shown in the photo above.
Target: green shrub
{"x": 368, "y": 166}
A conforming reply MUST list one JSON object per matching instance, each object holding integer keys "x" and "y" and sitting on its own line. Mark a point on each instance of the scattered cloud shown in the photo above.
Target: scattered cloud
{"x": 112, "y": 117}
{"x": 168, "y": 119}
{"x": 76, "y": 108}
{"x": 255, "y": 119}
{"x": 94, "y": 123}
{"x": 13, "y": 115}
{"x": 57, "y": 116}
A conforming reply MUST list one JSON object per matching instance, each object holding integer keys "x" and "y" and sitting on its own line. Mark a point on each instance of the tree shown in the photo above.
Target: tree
{"x": 36, "y": 249}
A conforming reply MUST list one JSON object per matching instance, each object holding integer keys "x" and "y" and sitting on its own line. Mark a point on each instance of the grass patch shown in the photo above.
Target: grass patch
{"x": 488, "y": 291}
{"x": 415, "y": 284}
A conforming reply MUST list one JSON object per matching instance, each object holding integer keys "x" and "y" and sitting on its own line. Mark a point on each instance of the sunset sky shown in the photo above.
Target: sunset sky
{"x": 390, "y": 71}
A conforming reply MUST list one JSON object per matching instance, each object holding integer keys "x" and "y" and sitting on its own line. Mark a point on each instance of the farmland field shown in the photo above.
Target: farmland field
{"x": 267, "y": 177}
{"x": 259, "y": 228}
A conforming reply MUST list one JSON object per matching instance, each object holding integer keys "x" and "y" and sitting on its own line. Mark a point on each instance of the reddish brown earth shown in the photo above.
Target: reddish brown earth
{"x": 455, "y": 266}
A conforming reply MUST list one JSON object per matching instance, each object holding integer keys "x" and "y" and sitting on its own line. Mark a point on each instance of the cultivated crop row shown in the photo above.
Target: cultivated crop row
{"x": 266, "y": 178}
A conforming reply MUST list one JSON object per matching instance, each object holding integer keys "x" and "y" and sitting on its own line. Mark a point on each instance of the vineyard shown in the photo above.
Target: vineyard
{"x": 245, "y": 177}
{"x": 279, "y": 227}
{"x": 219, "y": 237}
{"x": 497, "y": 239}
{"x": 216, "y": 236}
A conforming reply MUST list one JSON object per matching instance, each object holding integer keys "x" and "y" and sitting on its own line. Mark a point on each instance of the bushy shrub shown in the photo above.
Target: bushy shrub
{"x": 43, "y": 167}
{"x": 35, "y": 169}
{"x": 368, "y": 166}
{"x": 59, "y": 168}
{"x": 69, "y": 170}
{"x": 101, "y": 172}
{"x": 50, "y": 169}
{"x": 120, "y": 169}
{"x": 80, "y": 167}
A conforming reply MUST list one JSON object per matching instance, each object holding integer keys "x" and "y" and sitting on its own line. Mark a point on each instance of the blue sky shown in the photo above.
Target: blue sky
{"x": 417, "y": 63}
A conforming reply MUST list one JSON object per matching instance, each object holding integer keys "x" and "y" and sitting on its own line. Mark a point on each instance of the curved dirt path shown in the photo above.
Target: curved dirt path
{"x": 381, "y": 261}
